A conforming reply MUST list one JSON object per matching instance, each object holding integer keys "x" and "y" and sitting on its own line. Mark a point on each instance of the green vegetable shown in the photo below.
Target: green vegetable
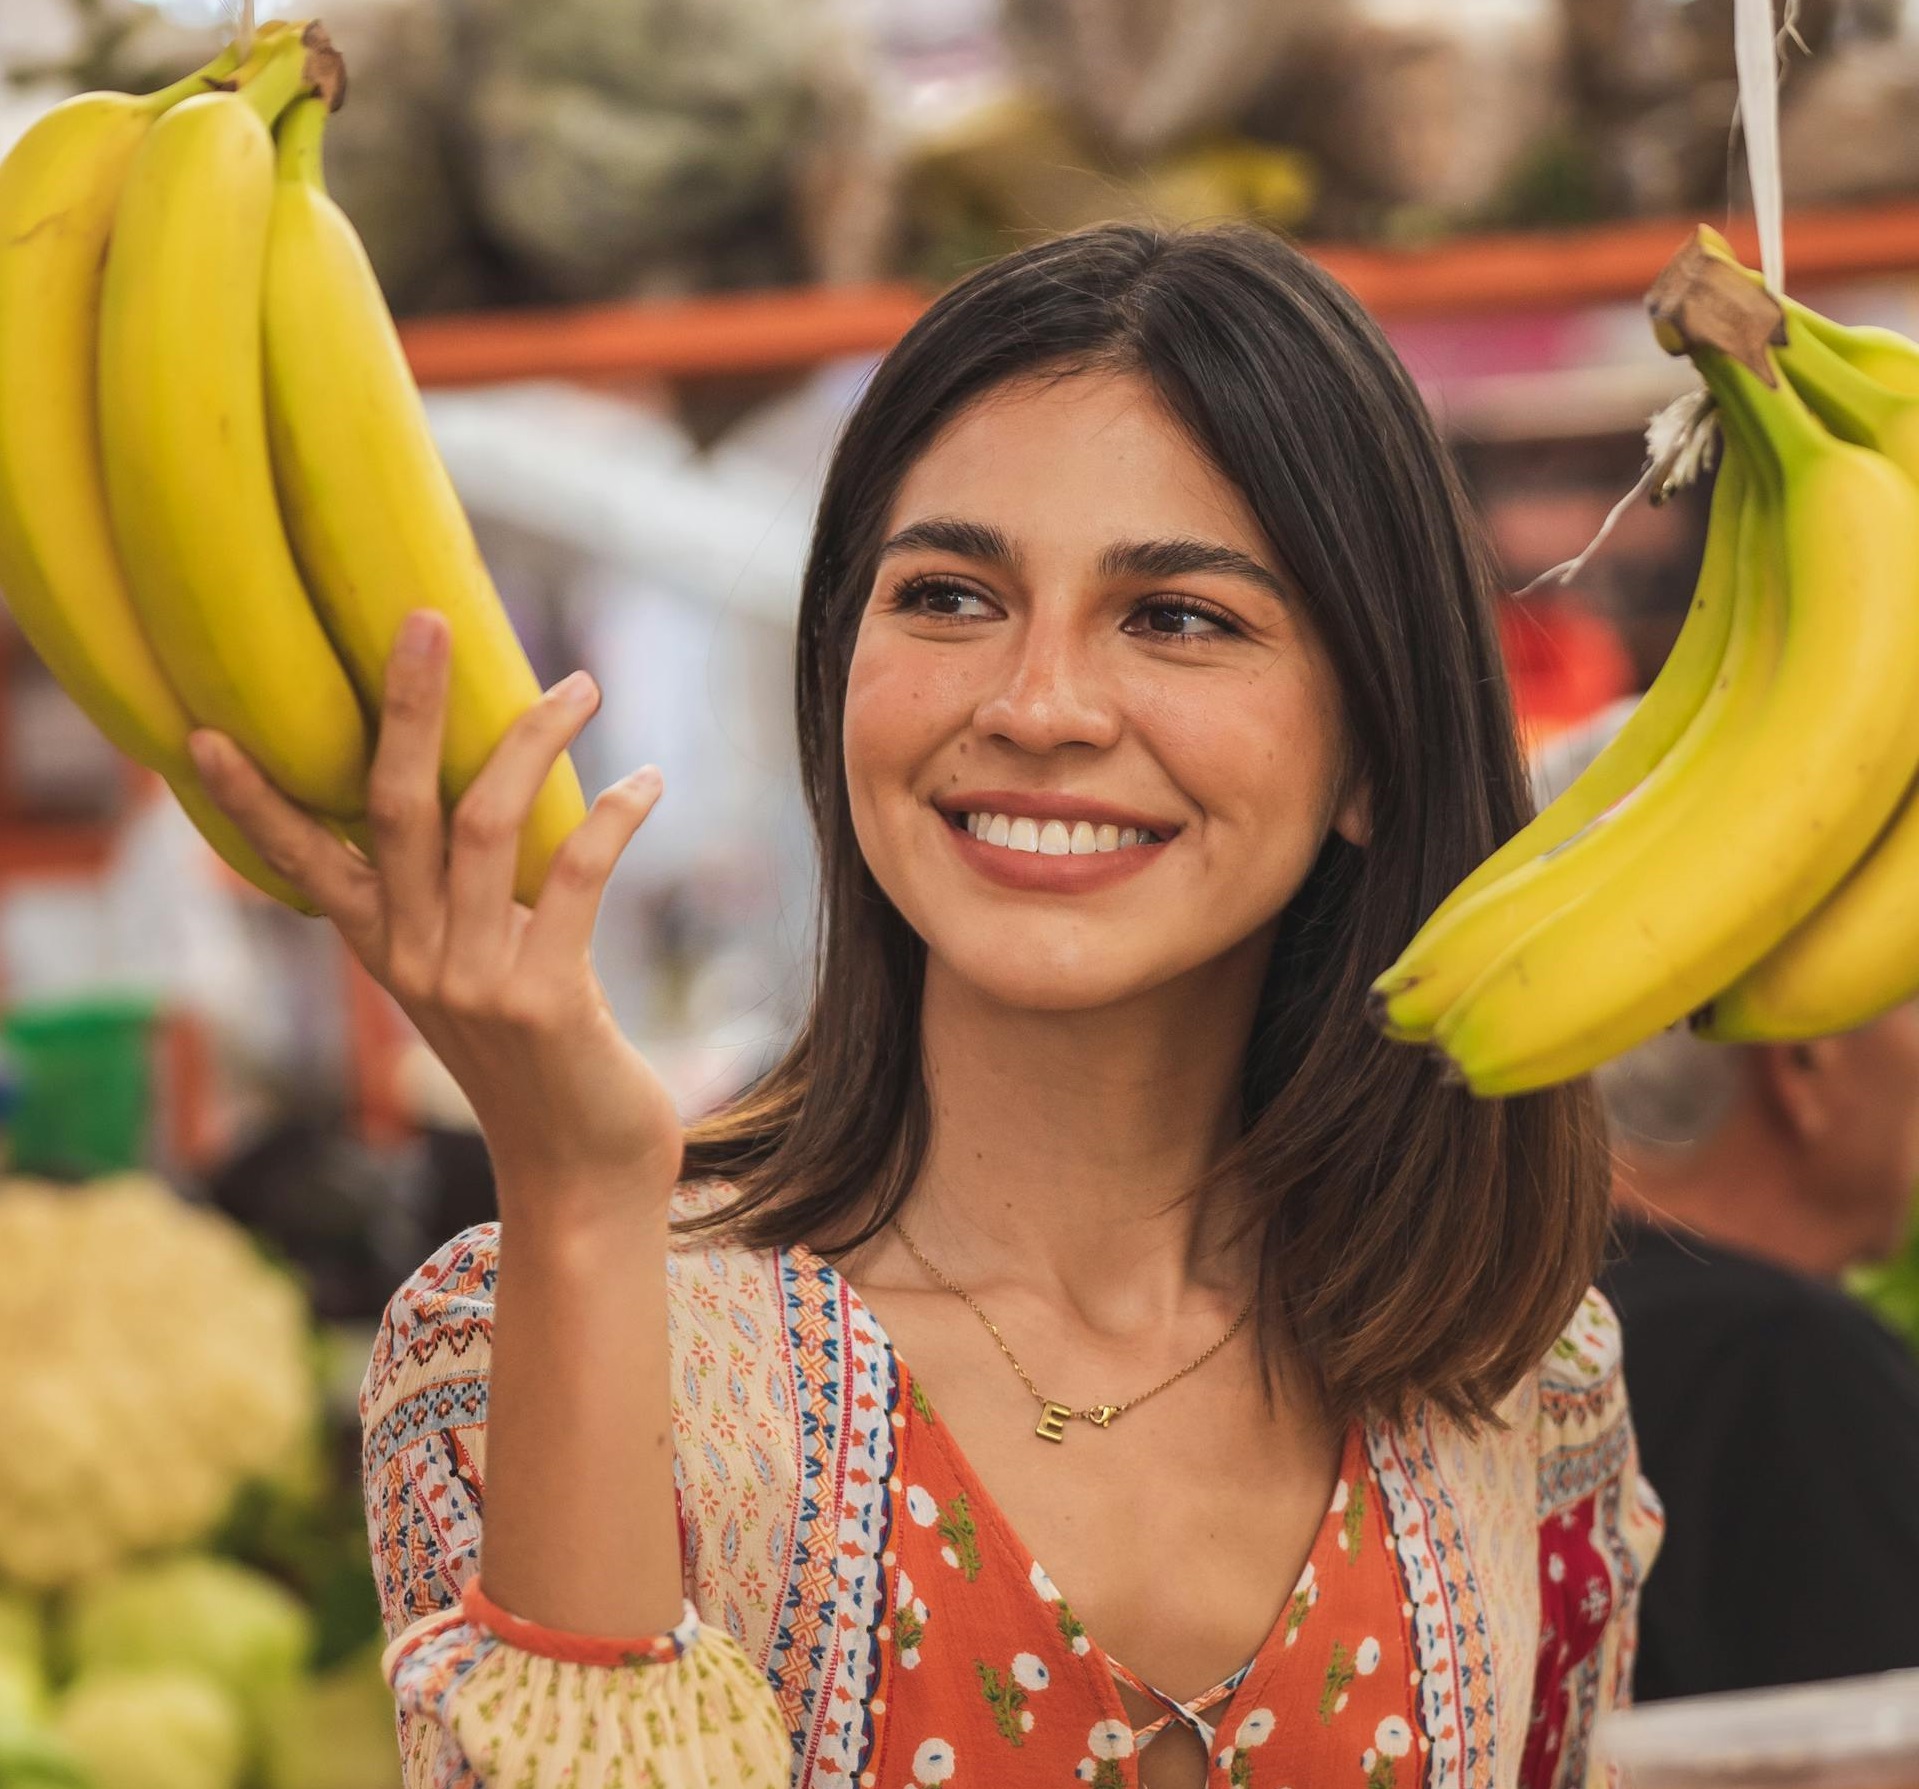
{"x": 31, "y": 1757}
{"x": 235, "y": 1626}
{"x": 1893, "y": 1291}
{"x": 335, "y": 1731}
{"x": 23, "y": 1696}
{"x": 157, "y": 1729}
{"x": 22, "y": 1630}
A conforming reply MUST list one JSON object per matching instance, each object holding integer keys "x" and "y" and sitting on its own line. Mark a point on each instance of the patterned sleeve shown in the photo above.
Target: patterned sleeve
{"x": 1599, "y": 1529}
{"x": 486, "y": 1701}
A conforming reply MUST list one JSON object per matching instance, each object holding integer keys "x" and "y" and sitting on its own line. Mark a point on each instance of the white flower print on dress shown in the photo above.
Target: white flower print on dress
{"x": 1042, "y": 1583}
{"x": 1029, "y": 1671}
{"x": 920, "y": 1506}
{"x": 1255, "y": 1730}
{"x": 1110, "y": 1739}
{"x": 951, "y": 1557}
{"x": 1366, "y": 1659}
{"x": 1393, "y": 1737}
{"x": 933, "y": 1762}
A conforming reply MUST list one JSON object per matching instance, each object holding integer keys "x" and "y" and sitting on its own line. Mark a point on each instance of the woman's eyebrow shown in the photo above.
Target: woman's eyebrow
{"x": 949, "y": 534}
{"x": 1184, "y": 558}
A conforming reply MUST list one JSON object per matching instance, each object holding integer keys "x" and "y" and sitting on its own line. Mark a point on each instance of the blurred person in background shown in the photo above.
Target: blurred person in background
{"x": 1778, "y": 1417}
{"x": 1148, "y": 698}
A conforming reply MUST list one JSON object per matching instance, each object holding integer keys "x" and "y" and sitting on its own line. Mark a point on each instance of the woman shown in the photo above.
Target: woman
{"x": 1147, "y": 701}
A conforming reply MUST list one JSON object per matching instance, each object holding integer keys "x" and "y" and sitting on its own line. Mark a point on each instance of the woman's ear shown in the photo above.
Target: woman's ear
{"x": 1353, "y": 819}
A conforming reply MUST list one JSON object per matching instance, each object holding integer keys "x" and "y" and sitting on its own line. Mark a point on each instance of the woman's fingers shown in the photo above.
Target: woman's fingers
{"x": 561, "y": 931}
{"x": 486, "y": 827}
{"x": 403, "y": 802}
{"x": 328, "y": 872}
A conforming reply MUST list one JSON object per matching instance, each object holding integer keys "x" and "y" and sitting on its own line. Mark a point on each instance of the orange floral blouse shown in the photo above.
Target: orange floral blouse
{"x": 861, "y": 1615}
{"x": 984, "y": 1661}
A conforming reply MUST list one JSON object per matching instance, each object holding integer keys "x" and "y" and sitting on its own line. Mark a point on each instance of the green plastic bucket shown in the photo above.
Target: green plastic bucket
{"x": 85, "y": 1069}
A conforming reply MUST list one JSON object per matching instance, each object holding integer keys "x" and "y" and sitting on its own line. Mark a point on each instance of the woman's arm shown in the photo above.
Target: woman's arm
{"x": 581, "y": 1531}
{"x": 485, "y": 1699}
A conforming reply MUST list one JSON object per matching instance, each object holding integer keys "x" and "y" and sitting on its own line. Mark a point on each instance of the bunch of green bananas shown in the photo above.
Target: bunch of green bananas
{"x": 1745, "y": 853}
{"x": 219, "y": 496}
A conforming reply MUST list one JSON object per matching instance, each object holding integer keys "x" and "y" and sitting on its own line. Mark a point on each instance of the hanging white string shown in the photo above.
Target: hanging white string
{"x": 1683, "y": 439}
{"x": 1756, "y": 53}
{"x": 243, "y": 28}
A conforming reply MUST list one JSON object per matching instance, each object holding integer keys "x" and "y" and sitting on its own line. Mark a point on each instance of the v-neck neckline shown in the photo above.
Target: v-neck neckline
{"x": 1257, "y": 1670}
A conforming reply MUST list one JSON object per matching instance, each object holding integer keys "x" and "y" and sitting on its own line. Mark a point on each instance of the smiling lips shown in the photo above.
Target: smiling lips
{"x": 1057, "y": 851}
{"x": 1054, "y": 838}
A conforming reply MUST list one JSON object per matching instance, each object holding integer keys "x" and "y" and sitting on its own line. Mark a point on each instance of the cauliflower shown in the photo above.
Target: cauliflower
{"x": 152, "y": 1730}
{"x": 154, "y": 1363}
{"x": 233, "y": 1625}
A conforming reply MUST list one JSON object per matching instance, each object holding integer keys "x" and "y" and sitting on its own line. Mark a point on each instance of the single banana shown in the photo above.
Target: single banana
{"x": 1755, "y": 847}
{"x": 59, "y": 570}
{"x": 1857, "y": 956}
{"x": 375, "y": 521}
{"x": 183, "y": 432}
{"x": 1697, "y": 694}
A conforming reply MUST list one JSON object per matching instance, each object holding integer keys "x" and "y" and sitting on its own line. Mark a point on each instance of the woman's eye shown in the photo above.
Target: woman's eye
{"x": 942, "y": 598}
{"x": 1183, "y": 620}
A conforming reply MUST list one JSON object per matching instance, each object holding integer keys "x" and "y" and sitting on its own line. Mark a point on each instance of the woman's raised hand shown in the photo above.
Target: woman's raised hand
{"x": 504, "y": 994}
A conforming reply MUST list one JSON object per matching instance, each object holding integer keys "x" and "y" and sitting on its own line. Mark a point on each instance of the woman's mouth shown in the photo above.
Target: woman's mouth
{"x": 1051, "y": 838}
{"x": 1057, "y": 853}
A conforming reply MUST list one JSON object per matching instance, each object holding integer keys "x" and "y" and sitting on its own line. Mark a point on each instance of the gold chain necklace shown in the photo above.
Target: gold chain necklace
{"x": 1053, "y": 1414}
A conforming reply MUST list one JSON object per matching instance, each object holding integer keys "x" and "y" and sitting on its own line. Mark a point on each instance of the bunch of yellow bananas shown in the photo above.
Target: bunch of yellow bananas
{"x": 1746, "y": 850}
{"x": 219, "y": 496}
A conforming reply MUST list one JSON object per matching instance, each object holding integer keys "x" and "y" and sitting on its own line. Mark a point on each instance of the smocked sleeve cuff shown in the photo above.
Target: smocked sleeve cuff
{"x": 532, "y": 1708}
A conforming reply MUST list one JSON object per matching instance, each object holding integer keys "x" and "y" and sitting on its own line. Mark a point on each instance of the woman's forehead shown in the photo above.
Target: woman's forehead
{"x": 1084, "y": 461}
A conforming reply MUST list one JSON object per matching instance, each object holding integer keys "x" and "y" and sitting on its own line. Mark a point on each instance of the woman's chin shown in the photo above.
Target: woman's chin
{"x": 1041, "y": 981}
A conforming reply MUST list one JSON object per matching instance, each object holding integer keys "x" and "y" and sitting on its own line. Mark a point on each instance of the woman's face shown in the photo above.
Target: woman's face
{"x": 1091, "y": 743}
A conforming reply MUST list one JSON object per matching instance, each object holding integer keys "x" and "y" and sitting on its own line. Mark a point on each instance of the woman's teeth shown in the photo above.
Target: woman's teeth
{"x": 1053, "y": 838}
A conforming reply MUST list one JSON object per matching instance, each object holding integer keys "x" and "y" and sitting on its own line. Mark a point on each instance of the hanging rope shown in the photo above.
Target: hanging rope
{"x": 1682, "y": 440}
{"x": 243, "y": 31}
{"x": 1757, "y": 45}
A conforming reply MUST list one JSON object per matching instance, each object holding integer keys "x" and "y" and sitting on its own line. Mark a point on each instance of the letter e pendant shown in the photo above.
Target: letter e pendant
{"x": 1052, "y": 1421}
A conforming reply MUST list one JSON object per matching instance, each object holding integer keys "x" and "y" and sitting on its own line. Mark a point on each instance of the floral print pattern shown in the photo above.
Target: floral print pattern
{"x": 871, "y": 1621}
{"x": 990, "y": 1657}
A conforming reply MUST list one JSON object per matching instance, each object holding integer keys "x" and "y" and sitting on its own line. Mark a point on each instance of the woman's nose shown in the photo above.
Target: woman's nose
{"x": 1048, "y": 693}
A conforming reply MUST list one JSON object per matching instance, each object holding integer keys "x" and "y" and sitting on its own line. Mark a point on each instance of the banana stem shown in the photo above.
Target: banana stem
{"x": 202, "y": 80}
{"x": 274, "y": 77}
{"x": 301, "y": 135}
{"x": 1731, "y": 382}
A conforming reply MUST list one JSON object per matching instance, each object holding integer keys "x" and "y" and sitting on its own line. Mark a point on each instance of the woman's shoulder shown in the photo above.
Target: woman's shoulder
{"x": 1583, "y": 1426}
{"x": 1582, "y": 1377}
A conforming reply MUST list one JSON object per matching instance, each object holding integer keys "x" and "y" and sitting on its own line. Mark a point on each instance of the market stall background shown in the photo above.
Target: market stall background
{"x": 644, "y": 255}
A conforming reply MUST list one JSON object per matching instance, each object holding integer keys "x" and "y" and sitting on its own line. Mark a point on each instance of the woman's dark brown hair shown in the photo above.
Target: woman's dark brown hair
{"x": 1414, "y": 1243}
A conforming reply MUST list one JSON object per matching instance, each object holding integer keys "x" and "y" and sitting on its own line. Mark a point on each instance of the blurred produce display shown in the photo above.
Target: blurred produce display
{"x": 574, "y": 149}
{"x": 154, "y": 1364}
{"x": 185, "y": 1601}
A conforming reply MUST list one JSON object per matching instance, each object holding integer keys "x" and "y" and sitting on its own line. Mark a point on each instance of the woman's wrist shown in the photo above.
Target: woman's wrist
{"x": 560, "y": 1207}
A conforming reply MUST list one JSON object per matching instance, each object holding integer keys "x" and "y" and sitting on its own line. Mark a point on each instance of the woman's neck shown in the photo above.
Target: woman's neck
{"x": 1063, "y": 1142}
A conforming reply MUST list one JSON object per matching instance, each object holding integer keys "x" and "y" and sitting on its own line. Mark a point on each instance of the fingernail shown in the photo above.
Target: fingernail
{"x": 203, "y": 749}
{"x": 576, "y": 691}
{"x": 419, "y": 634}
